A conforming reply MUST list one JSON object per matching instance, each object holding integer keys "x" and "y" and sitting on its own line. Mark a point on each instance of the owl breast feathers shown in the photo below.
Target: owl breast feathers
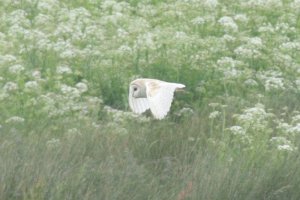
{"x": 152, "y": 94}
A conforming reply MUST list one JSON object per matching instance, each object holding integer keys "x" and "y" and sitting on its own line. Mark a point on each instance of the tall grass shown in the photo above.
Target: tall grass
{"x": 66, "y": 131}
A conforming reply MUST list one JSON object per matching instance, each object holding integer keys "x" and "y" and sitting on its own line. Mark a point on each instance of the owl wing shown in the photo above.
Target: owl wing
{"x": 160, "y": 96}
{"x": 138, "y": 105}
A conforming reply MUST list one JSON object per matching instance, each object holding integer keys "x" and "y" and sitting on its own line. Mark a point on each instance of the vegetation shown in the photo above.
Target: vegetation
{"x": 66, "y": 131}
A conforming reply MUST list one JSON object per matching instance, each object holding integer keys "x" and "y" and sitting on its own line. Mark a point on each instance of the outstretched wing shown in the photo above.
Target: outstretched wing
{"x": 160, "y": 96}
{"x": 138, "y": 105}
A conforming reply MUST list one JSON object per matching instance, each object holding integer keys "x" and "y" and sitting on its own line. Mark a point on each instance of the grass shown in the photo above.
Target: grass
{"x": 150, "y": 163}
{"x": 66, "y": 130}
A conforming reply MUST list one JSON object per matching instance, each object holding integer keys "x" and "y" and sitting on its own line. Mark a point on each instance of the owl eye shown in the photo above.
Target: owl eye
{"x": 134, "y": 89}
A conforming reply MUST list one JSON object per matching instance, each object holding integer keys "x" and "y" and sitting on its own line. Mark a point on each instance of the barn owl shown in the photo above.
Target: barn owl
{"x": 152, "y": 94}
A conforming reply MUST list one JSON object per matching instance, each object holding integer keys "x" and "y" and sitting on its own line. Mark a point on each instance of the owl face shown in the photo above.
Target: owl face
{"x": 138, "y": 90}
{"x": 152, "y": 94}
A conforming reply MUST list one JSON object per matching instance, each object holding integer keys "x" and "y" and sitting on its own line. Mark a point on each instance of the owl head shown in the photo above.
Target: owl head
{"x": 138, "y": 89}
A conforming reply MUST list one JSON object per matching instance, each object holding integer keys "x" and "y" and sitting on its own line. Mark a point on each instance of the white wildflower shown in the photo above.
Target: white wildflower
{"x": 226, "y": 62}
{"x": 284, "y": 28}
{"x": 42, "y": 19}
{"x": 48, "y": 6}
{"x": 237, "y": 130}
{"x": 181, "y": 36}
{"x": 285, "y": 147}
{"x": 10, "y": 86}
{"x": 272, "y": 80}
{"x": 211, "y": 3}
{"x": 228, "y": 23}
{"x": 255, "y": 42}
{"x": 70, "y": 91}
{"x": 295, "y": 129}
{"x": 241, "y": 18}
{"x": 295, "y": 5}
{"x": 16, "y": 69}
{"x": 255, "y": 117}
{"x": 250, "y": 82}
{"x": 31, "y": 86}
{"x": 266, "y": 28}
{"x": 145, "y": 41}
{"x": 198, "y": 21}
{"x": 5, "y": 59}
{"x": 18, "y": 17}
{"x": 122, "y": 33}
{"x": 247, "y": 52}
{"x": 15, "y": 120}
{"x": 214, "y": 114}
{"x": 229, "y": 38}
{"x": 265, "y": 4}
{"x": 82, "y": 87}
{"x": 227, "y": 66}
{"x": 280, "y": 140}
{"x": 296, "y": 119}
{"x": 36, "y": 75}
{"x": 274, "y": 83}
{"x": 290, "y": 46}
{"x": 69, "y": 53}
{"x": 63, "y": 69}
{"x": 124, "y": 49}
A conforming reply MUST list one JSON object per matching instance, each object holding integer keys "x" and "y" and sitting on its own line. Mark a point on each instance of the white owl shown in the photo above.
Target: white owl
{"x": 154, "y": 94}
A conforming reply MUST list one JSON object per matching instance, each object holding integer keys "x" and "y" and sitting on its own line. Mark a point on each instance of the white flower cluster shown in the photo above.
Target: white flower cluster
{"x": 272, "y": 80}
{"x": 282, "y": 143}
{"x": 15, "y": 120}
{"x": 228, "y": 23}
{"x": 229, "y": 67}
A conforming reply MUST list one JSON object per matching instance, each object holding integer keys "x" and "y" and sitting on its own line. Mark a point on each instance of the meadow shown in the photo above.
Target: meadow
{"x": 67, "y": 132}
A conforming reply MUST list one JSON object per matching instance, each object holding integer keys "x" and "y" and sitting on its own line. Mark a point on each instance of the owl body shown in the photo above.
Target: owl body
{"x": 152, "y": 94}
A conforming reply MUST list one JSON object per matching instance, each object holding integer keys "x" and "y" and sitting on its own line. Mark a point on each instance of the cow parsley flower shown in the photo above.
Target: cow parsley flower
{"x": 15, "y": 120}
{"x": 198, "y": 21}
{"x": 285, "y": 147}
{"x": 250, "y": 82}
{"x": 237, "y": 130}
{"x": 228, "y": 24}
{"x": 145, "y": 41}
{"x": 16, "y": 69}
{"x": 6, "y": 59}
{"x": 290, "y": 46}
{"x": 211, "y": 3}
{"x": 10, "y": 87}
{"x": 63, "y": 69}
{"x": 70, "y": 91}
{"x": 241, "y": 18}
{"x": 124, "y": 49}
{"x": 295, "y": 129}
{"x": 214, "y": 114}
{"x": 272, "y": 80}
{"x": 82, "y": 87}
{"x": 31, "y": 86}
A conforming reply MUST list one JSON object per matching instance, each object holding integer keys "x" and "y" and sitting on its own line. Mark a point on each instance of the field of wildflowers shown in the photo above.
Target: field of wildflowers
{"x": 66, "y": 131}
